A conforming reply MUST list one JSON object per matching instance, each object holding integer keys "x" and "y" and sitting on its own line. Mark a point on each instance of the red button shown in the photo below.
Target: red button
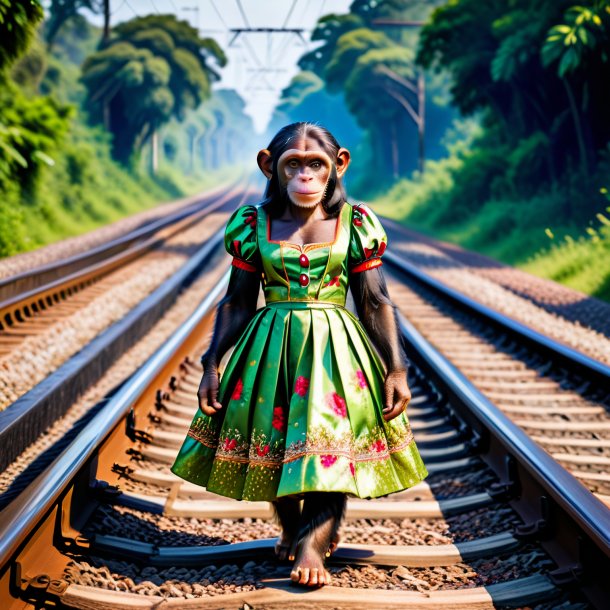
{"x": 303, "y": 260}
{"x": 303, "y": 279}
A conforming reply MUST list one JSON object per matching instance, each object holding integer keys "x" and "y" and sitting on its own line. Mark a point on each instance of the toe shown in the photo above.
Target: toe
{"x": 313, "y": 579}
{"x": 304, "y": 576}
{"x": 295, "y": 575}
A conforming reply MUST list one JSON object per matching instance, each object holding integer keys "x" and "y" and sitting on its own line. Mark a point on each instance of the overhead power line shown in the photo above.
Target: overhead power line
{"x": 294, "y": 3}
{"x": 243, "y": 13}
{"x": 222, "y": 19}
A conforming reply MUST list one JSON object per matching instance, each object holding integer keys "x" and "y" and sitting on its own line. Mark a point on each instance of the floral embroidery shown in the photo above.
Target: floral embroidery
{"x": 239, "y": 386}
{"x": 237, "y": 247}
{"x": 204, "y": 430}
{"x": 279, "y": 420}
{"x": 335, "y": 281}
{"x": 378, "y": 446}
{"x": 381, "y": 249}
{"x": 368, "y": 252}
{"x": 251, "y": 220}
{"x": 301, "y": 385}
{"x": 358, "y": 212}
{"x": 265, "y": 453}
{"x": 230, "y": 444}
{"x": 352, "y": 468}
{"x": 361, "y": 379}
{"x": 328, "y": 460}
{"x": 337, "y": 404}
{"x": 262, "y": 451}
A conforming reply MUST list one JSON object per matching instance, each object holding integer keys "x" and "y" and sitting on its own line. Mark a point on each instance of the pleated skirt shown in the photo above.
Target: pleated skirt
{"x": 302, "y": 396}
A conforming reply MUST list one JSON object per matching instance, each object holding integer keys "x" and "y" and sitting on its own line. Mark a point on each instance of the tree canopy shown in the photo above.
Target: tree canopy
{"x": 153, "y": 68}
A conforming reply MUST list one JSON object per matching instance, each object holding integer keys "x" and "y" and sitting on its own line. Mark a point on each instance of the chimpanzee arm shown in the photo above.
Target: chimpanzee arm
{"x": 233, "y": 313}
{"x": 378, "y": 316}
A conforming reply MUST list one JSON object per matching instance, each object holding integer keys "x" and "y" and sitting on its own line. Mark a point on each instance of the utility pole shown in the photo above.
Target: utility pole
{"x": 419, "y": 116}
{"x": 106, "y": 30}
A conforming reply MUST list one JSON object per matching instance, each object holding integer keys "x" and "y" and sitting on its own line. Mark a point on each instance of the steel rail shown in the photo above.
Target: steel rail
{"x": 26, "y": 418}
{"x": 581, "y": 516}
{"x": 33, "y": 279}
{"x": 589, "y": 512}
{"x": 89, "y": 267}
{"x": 25, "y": 512}
{"x": 594, "y": 369}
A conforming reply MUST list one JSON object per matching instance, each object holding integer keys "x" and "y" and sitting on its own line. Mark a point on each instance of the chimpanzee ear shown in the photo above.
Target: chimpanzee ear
{"x": 343, "y": 159}
{"x": 265, "y": 162}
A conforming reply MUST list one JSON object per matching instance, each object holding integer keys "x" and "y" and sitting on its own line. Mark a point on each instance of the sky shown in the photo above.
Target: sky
{"x": 260, "y": 65}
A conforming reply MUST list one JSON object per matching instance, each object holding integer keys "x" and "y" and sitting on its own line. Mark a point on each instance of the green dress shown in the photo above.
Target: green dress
{"x": 303, "y": 388}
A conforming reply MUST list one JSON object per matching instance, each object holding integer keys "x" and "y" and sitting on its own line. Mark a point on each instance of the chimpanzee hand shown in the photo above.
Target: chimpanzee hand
{"x": 208, "y": 391}
{"x": 397, "y": 394}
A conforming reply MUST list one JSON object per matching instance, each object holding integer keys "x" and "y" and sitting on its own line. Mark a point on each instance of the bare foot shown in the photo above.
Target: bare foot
{"x": 318, "y": 537}
{"x": 309, "y": 569}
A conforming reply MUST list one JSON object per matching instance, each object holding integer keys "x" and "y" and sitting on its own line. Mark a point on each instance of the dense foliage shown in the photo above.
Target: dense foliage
{"x": 153, "y": 68}
{"x": 57, "y": 174}
{"x": 537, "y": 74}
{"x": 533, "y": 76}
{"x": 370, "y": 70}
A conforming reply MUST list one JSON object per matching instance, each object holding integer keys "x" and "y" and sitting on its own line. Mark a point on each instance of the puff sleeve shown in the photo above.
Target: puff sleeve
{"x": 368, "y": 239}
{"x": 241, "y": 240}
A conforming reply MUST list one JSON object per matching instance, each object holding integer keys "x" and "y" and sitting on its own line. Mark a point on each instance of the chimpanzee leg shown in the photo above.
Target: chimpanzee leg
{"x": 288, "y": 513}
{"x": 320, "y": 521}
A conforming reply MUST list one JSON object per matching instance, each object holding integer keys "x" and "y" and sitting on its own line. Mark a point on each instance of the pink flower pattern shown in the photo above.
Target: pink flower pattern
{"x": 337, "y": 404}
{"x": 279, "y": 419}
{"x": 229, "y": 444}
{"x": 328, "y": 460}
{"x": 239, "y": 386}
{"x": 378, "y": 446}
{"x": 361, "y": 379}
{"x": 301, "y": 385}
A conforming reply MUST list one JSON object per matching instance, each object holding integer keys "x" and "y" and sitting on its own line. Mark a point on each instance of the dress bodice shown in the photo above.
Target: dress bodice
{"x": 309, "y": 272}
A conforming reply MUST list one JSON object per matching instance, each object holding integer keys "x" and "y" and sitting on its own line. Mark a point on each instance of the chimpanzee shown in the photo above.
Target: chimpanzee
{"x": 310, "y": 405}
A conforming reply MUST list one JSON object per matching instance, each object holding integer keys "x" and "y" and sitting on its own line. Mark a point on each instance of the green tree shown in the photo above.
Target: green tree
{"x": 328, "y": 31}
{"x": 155, "y": 67}
{"x": 579, "y": 47}
{"x": 18, "y": 21}
{"x": 62, "y": 11}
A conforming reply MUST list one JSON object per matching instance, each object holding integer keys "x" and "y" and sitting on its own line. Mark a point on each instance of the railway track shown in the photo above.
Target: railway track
{"x": 60, "y": 332}
{"x": 498, "y": 523}
{"x": 556, "y": 394}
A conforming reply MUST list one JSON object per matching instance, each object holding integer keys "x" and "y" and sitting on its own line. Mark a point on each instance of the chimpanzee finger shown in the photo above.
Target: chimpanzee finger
{"x": 389, "y": 395}
{"x": 213, "y": 398}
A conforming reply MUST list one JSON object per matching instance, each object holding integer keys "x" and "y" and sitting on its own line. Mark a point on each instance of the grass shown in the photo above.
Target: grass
{"x": 514, "y": 232}
{"x": 86, "y": 189}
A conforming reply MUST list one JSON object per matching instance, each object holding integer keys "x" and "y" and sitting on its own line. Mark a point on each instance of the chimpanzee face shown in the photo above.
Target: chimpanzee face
{"x": 304, "y": 170}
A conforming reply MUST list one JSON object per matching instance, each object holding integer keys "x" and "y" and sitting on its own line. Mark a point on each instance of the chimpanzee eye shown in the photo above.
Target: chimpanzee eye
{"x": 316, "y": 164}
{"x": 293, "y": 163}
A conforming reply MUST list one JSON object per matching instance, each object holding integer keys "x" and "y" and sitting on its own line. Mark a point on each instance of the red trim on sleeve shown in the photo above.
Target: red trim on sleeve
{"x": 243, "y": 265}
{"x": 365, "y": 265}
